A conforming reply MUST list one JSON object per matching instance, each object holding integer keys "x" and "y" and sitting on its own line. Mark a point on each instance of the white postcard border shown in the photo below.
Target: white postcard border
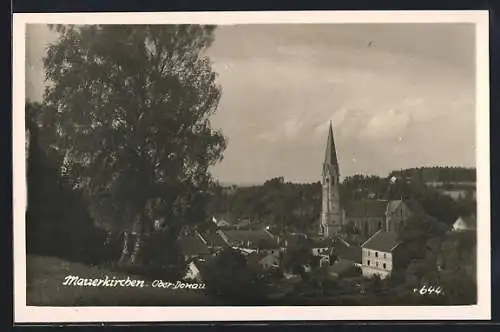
{"x": 28, "y": 314}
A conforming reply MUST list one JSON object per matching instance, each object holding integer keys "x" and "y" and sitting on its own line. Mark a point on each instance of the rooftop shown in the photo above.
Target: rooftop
{"x": 261, "y": 238}
{"x": 213, "y": 239}
{"x": 382, "y": 241}
{"x": 366, "y": 208}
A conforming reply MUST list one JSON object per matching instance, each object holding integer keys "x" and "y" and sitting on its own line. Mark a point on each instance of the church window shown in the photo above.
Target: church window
{"x": 379, "y": 225}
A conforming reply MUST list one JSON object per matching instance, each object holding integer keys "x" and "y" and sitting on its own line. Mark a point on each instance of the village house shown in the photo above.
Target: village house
{"x": 465, "y": 224}
{"x": 194, "y": 270}
{"x": 378, "y": 254}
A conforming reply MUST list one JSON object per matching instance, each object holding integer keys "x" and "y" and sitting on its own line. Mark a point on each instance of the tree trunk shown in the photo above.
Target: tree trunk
{"x": 139, "y": 223}
{"x": 125, "y": 250}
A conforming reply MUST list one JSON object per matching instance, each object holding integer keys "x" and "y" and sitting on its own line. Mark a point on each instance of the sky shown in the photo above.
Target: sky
{"x": 398, "y": 96}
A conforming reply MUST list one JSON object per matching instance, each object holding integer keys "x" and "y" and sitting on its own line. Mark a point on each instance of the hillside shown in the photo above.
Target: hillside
{"x": 45, "y": 275}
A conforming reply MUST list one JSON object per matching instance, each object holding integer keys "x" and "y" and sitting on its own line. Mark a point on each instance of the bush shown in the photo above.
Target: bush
{"x": 228, "y": 277}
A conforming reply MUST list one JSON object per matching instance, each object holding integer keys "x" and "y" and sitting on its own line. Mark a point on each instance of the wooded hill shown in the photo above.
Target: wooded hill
{"x": 438, "y": 174}
{"x": 297, "y": 206}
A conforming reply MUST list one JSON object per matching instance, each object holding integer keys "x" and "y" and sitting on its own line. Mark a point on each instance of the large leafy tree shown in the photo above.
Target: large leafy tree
{"x": 131, "y": 107}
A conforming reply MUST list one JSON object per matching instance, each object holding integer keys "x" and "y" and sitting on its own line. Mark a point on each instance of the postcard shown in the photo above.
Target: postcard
{"x": 251, "y": 166}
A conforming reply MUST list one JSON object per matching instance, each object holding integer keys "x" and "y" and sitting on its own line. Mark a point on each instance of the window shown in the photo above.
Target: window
{"x": 368, "y": 263}
{"x": 384, "y": 266}
{"x": 376, "y": 264}
{"x": 368, "y": 253}
{"x": 384, "y": 256}
{"x": 376, "y": 254}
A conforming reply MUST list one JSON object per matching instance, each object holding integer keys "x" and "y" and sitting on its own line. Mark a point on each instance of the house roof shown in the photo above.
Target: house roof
{"x": 237, "y": 235}
{"x": 469, "y": 221}
{"x": 192, "y": 246}
{"x": 352, "y": 253}
{"x": 366, "y": 208}
{"x": 382, "y": 241}
{"x": 214, "y": 239}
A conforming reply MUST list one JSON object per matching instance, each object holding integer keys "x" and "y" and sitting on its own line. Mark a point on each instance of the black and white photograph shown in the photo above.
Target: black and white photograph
{"x": 238, "y": 163}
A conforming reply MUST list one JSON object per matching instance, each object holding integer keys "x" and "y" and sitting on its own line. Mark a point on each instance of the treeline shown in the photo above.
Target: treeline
{"x": 57, "y": 218}
{"x": 438, "y": 174}
{"x": 297, "y": 206}
{"x": 281, "y": 204}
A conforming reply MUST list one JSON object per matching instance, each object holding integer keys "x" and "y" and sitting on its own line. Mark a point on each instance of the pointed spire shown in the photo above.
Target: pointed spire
{"x": 331, "y": 152}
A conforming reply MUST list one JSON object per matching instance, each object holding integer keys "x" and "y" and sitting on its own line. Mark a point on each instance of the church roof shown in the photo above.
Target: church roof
{"x": 393, "y": 205}
{"x": 416, "y": 209}
{"x": 366, "y": 208}
{"x": 331, "y": 152}
{"x": 382, "y": 241}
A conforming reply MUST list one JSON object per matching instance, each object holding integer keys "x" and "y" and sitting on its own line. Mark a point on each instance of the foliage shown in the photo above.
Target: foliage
{"x": 286, "y": 206}
{"x": 128, "y": 108}
{"x": 298, "y": 255}
{"x": 229, "y": 277}
{"x": 438, "y": 174}
{"x": 57, "y": 220}
{"x": 296, "y": 206}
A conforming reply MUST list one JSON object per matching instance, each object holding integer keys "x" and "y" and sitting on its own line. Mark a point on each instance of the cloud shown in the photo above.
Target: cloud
{"x": 407, "y": 101}
{"x": 390, "y": 123}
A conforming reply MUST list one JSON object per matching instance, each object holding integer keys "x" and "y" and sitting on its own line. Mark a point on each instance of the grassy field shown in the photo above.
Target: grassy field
{"x": 45, "y": 277}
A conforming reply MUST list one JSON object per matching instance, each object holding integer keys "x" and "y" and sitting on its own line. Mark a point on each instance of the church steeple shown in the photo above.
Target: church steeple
{"x": 331, "y": 213}
{"x": 331, "y": 152}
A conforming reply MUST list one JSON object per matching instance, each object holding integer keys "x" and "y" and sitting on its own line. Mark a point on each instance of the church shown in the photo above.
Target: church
{"x": 368, "y": 216}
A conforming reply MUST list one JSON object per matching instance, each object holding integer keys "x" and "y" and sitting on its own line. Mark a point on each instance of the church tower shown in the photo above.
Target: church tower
{"x": 331, "y": 213}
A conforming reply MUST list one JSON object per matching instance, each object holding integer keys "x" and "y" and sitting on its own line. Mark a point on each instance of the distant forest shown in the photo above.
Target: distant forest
{"x": 438, "y": 174}
{"x": 287, "y": 206}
